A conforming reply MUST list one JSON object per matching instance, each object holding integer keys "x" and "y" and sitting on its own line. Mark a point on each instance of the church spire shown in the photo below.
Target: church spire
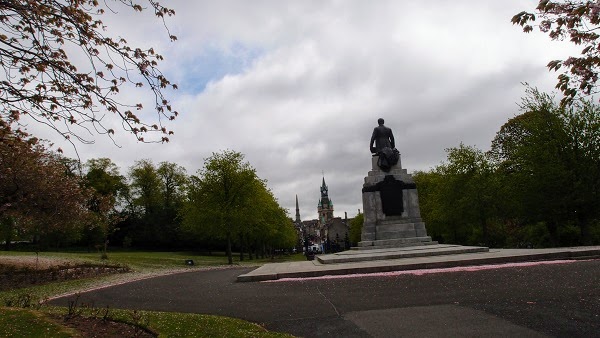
{"x": 297, "y": 211}
{"x": 324, "y": 188}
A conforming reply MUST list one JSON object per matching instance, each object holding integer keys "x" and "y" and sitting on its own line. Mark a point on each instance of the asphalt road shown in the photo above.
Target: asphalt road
{"x": 560, "y": 300}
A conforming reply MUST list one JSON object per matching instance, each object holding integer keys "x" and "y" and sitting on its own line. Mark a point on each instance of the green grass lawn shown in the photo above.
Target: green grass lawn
{"x": 16, "y": 322}
{"x": 28, "y": 323}
{"x": 35, "y": 323}
{"x": 150, "y": 261}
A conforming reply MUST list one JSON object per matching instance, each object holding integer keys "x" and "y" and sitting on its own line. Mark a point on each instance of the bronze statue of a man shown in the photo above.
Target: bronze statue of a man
{"x": 382, "y": 137}
{"x": 384, "y": 146}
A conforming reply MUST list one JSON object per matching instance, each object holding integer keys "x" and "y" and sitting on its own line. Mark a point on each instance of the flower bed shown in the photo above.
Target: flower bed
{"x": 23, "y": 271}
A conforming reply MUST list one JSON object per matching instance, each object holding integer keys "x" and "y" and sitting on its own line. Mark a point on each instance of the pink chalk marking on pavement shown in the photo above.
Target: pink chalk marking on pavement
{"x": 429, "y": 271}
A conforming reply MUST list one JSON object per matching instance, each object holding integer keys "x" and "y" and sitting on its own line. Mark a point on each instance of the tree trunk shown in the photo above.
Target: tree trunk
{"x": 484, "y": 229}
{"x": 455, "y": 235}
{"x": 241, "y": 248}
{"x": 9, "y": 226}
{"x": 229, "y": 256}
{"x": 552, "y": 231}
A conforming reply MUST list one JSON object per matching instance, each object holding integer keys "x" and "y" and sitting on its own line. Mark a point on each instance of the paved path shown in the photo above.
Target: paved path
{"x": 544, "y": 300}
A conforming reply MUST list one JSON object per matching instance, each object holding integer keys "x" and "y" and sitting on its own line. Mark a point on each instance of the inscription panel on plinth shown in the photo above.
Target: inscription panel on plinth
{"x": 391, "y": 193}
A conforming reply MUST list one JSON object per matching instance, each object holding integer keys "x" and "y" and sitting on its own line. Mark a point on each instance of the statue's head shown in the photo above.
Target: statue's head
{"x": 380, "y": 121}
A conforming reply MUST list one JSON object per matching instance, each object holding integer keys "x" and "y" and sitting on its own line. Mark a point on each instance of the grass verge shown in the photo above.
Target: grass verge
{"x": 145, "y": 261}
{"x": 29, "y": 323}
{"x": 16, "y": 322}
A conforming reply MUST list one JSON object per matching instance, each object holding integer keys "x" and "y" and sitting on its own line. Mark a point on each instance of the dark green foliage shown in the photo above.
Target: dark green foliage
{"x": 155, "y": 199}
{"x": 108, "y": 187}
{"x": 538, "y": 186}
{"x": 227, "y": 201}
{"x": 456, "y": 197}
{"x": 356, "y": 228}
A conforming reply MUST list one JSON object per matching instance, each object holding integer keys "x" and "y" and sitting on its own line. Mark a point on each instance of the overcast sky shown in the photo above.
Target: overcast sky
{"x": 297, "y": 86}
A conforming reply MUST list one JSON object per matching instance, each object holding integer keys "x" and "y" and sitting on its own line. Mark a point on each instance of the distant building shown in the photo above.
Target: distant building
{"x": 328, "y": 232}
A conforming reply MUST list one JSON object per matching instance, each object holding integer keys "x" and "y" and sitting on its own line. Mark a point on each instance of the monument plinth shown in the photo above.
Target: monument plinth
{"x": 391, "y": 209}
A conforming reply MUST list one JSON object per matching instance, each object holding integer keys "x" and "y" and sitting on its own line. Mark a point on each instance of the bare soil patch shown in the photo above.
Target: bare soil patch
{"x": 98, "y": 327}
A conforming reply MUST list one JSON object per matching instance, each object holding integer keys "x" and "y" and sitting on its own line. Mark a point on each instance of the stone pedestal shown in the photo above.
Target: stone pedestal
{"x": 402, "y": 226}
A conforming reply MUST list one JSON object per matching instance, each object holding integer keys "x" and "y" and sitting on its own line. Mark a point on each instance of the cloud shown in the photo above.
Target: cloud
{"x": 297, "y": 86}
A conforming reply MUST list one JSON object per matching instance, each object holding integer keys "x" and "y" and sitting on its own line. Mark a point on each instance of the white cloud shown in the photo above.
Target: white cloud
{"x": 297, "y": 86}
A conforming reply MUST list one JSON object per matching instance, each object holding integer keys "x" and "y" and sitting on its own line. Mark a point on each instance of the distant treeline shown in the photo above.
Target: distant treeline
{"x": 49, "y": 201}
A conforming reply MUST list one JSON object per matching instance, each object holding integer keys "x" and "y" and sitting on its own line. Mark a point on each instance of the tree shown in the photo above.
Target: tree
{"x": 8, "y": 231}
{"x": 227, "y": 201}
{"x": 104, "y": 176}
{"x": 538, "y": 185}
{"x": 472, "y": 172}
{"x": 173, "y": 182}
{"x": 108, "y": 187}
{"x": 145, "y": 203}
{"x": 59, "y": 67}
{"x": 39, "y": 199}
{"x": 174, "y": 179}
{"x": 456, "y": 197}
{"x": 549, "y": 157}
{"x": 582, "y": 127}
{"x": 226, "y": 187}
{"x": 532, "y": 152}
{"x": 431, "y": 203}
{"x": 578, "y": 21}
{"x": 356, "y": 228}
{"x": 145, "y": 187}
{"x": 197, "y": 223}
{"x": 267, "y": 225}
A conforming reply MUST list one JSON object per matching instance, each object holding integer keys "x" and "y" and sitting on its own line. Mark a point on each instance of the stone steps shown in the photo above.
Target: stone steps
{"x": 395, "y": 227}
{"x": 394, "y": 245}
{"x": 398, "y": 253}
{"x": 305, "y": 269}
{"x": 399, "y": 220}
{"x": 384, "y": 235}
{"x": 396, "y": 242}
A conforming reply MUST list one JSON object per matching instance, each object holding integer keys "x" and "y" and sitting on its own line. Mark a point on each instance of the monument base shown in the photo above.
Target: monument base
{"x": 427, "y": 249}
{"x": 392, "y": 218}
{"x": 393, "y": 232}
{"x": 394, "y": 243}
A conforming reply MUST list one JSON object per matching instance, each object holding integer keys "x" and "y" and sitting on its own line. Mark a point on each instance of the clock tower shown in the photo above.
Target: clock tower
{"x": 325, "y": 207}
